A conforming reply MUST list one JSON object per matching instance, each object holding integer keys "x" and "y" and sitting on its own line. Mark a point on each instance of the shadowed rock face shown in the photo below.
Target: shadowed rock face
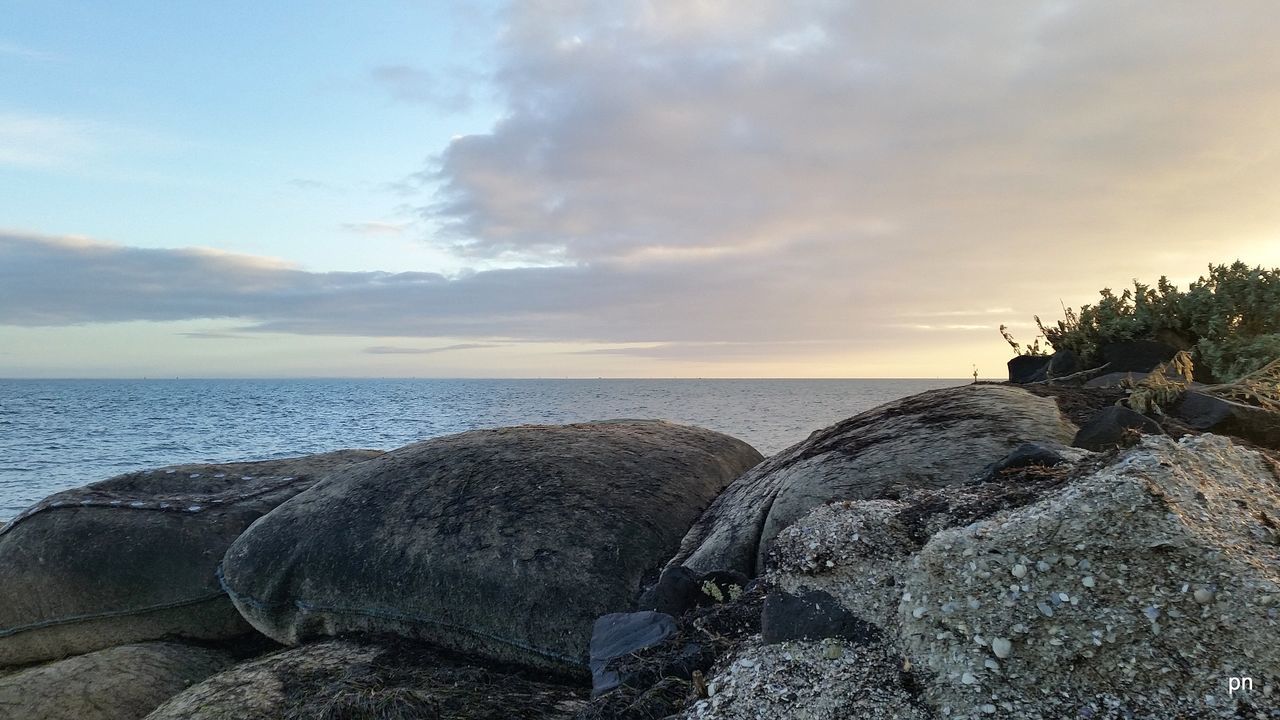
{"x": 933, "y": 439}
{"x": 388, "y": 680}
{"x": 120, "y": 683}
{"x": 506, "y": 544}
{"x": 135, "y": 557}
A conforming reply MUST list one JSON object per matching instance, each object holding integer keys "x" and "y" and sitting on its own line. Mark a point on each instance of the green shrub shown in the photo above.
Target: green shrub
{"x": 1230, "y": 318}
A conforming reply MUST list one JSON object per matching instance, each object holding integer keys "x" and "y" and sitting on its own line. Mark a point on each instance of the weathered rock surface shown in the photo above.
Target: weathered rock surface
{"x": 387, "y": 680}
{"x": 134, "y": 557}
{"x": 120, "y": 683}
{"x": 506, "y": 544}
{"x": 1132, "y": 585}
{"x": 934, "y": 439}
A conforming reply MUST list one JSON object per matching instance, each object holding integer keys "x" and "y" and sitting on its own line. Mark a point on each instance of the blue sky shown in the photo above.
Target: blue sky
{"x": 709, "y": 188}
{"x": 262, "y": 128}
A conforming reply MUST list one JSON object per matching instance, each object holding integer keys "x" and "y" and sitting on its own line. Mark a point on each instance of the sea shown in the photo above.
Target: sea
{"x": 59, "y": 434}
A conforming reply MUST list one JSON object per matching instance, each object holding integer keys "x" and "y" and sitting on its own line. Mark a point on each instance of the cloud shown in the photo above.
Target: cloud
{"x": 410, "y": 84}
{"x": 375, "y": 227}
{"x": 904, "y": 143}
{"x": 215, "y": 336}
{"x": 392, "y": 350}
{"x": 23, "y": 52}
{"x": 32, "y": 140}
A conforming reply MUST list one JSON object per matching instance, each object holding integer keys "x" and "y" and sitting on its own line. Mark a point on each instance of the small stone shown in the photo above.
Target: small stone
{"x": 1042, "y": 566}
{"x": 919, "y": 612}
{"x": 1019, "y": 570}
{"x": 1045, "y": 609}
{"x": 1002, "y": 647}
{"x": 989, "y": 709}
{"x": 968, "y": 679}
{"x": 1088, "y": 581}
{"x": 833, "y": 651}
{"x": 1204, "y": 596}
{"x": 746, "y": 663}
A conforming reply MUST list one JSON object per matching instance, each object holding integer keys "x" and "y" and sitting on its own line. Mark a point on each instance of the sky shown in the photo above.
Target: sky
{"x": 577, "y": 188}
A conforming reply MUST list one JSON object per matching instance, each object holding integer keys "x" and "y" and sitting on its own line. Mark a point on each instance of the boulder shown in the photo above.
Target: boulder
{"x": 1114, "y": 426}
{"x": 810, "y": 615}
{"x": 1136, "y": 355}
{"x": 134, "y": 558}
{"x": 1135, "y": 585}
{"x": 1210, "y": 413}
{"x": 937, "y": 438}
{"x": 1061, "y": 364}
{"x": 506, "y": 544}
{"x": 360, "y": 678}
{"x": 1028, "y": 368}
{"x": 119, "y": 683}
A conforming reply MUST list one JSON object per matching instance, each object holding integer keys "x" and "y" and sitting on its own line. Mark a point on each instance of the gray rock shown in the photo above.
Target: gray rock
{"x": 1211, "y": 413}
{"x": 354, "y": 679}
{"x": 619, "y": 634}
{"x": 933, "y": 439}
{"x": 120, "y": 683}
{"x": 812, "y": 615}
{"x": 133, "y": 558}
{"x": 506, "y": 544}
{"x": 1112, "y": 427}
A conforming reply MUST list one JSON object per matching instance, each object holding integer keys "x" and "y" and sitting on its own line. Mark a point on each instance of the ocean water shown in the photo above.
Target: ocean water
{"x": 59, "y": 434}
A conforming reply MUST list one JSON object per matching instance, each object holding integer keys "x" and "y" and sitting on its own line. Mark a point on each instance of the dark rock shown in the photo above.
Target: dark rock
{"x": 720, "y": 585}
{"x": 505, "y": 544}
{"x": 1209, "y": 413}
{"x": 119, "y": 683}
{"x": 1062, "y": 363}
{"x": 620, "y": 634}
{"x": 677, "y": 590}
{"x": 1026, "y": 455}
{"x": 1112, "y": 427}
{"x": 938, "y": 438}
{"x": 812, "y": 616}
{"x": 367, "y": 678}
{"x": 1136, "y": 355}
{"x": 1028, "y": 368}
{"x": 133, "y": 558}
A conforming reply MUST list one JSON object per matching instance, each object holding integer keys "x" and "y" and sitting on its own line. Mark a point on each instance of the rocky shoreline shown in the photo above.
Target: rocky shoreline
{"x": 1024, "y": 550}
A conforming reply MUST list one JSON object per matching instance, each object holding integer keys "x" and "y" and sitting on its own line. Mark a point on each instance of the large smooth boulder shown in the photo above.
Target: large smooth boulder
{"x": 358, "y": 679}
{"x": 135, "y": 557}
{"x": 1028, "y": 368}
{"x": 506, "y": 544}
{"x": 1115, "y": 426}
{"x": 1136, "y": 355}
{"x": 937, "y": 438}
{"x": 120, "y": 683}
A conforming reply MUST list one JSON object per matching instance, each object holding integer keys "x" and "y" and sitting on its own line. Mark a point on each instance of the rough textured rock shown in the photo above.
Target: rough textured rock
{"x": 387, "y": 680}
{"x": 934, "y": 439}
{"x": 1136, "y": 355}
{"x": 134, "y": 557}
{"x": 1028, "y": 368}
{"x": 506, "y": 544}
{"x": 617, "y": 635}
{"x": 1128, "y": 585}
{"x": 120, "y": 683}
{"x": 1113, "y": 427}
{"x": 1210, "y": 413}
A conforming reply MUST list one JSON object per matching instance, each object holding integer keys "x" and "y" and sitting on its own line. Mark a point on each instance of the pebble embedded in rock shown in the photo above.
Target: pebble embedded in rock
{"x": 1088, "y": 581}
{"x": 1002, "y": 647}
{"x": 968, "y": 679}
{"x": 1204, "y": 596}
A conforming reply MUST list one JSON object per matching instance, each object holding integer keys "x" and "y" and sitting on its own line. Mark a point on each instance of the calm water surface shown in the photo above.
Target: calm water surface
{"x": 57, "y": 434}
